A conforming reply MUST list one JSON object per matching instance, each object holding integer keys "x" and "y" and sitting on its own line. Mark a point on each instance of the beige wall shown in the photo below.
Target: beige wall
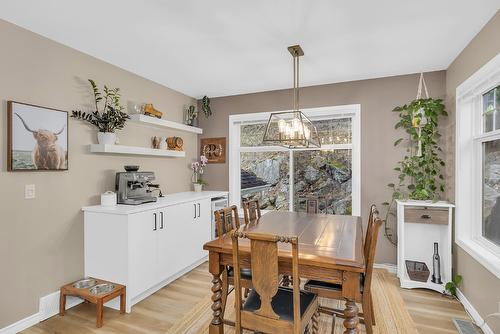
{"x": 41, "y": 240}
{"x": 481, "y": 287}
{"x": 378, "y": 156}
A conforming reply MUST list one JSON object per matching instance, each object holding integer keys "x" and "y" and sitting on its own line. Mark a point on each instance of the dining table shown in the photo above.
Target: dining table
{"x": 330, "y": 250}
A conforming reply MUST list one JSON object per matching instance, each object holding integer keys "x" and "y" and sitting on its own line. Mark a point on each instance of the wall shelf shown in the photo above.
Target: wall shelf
{"x": 135, "y": 150}
{"x": 162, "y": 123}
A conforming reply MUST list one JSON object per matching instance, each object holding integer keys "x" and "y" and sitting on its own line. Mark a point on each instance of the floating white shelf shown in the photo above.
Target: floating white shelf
{"x": 138, "y": 118}
{"x": 135, "y": 150}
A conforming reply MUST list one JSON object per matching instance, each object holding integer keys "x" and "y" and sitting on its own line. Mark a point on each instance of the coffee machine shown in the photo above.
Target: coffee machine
{"x": 132, "y": 186}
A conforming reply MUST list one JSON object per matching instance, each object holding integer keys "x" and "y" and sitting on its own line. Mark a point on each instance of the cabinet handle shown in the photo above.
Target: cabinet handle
{"x": 194, "y": 210}
{"x": 161, "y": 220}
{"x": 155, "y": 228}
{"x": 425, "y": 217}
{"x": 199, "y": 211}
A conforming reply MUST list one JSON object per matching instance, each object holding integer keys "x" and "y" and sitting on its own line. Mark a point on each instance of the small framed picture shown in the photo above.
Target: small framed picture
{"x": 37, "y": 138}
{"x": 214, "y": 149}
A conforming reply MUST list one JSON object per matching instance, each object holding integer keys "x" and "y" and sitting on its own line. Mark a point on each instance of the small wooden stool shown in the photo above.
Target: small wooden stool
{"x": 98, "y": 299}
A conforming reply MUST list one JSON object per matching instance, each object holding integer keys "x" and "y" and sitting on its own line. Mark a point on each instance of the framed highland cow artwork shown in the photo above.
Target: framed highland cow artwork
{"x": 37, "y": 138}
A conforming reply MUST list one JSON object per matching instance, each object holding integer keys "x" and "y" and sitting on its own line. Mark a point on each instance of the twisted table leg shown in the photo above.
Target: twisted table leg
{"x": 351, "y": 317}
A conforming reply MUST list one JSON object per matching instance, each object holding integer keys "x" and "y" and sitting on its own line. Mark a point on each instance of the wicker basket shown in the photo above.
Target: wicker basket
{"x": 417, "y": 271}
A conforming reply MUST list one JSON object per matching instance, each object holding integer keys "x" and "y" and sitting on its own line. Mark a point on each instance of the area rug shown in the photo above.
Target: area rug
{"x": 391, "y": 315}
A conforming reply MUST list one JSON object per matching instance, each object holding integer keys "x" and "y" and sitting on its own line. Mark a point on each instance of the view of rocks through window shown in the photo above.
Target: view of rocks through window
{"x": 323, "y": 175}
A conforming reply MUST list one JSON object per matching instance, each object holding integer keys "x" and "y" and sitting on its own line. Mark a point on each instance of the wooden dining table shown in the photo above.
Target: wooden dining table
{"x": 330, "y": 250}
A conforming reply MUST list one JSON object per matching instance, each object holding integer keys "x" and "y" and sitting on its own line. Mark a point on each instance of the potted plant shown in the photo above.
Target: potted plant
{"x": 108, "y": 115}
{"x": 197, "y": 168}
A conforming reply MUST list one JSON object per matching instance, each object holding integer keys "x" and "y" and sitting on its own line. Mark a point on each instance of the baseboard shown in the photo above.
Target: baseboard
{"x": 21, "y": 324}
{"x": 392, "y": 268}
{"x": 473, "y": 313}
{"x": 48, "y": 307}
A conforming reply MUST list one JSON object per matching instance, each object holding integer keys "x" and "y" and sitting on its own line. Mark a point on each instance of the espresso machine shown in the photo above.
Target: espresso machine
{"x": 133, "y": 187}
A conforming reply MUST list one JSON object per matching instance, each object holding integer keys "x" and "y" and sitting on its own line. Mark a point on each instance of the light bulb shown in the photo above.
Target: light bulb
{"x": 281, "y": 125}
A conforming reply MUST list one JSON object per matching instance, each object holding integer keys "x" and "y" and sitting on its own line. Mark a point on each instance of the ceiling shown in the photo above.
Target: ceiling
{"x": 227, "y": 47}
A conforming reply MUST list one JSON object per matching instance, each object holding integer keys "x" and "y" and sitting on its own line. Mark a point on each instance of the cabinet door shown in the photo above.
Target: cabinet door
{"x": 143, "y": 229}
{"x": 204, "y": 225}
{"x": 171, "y": 241}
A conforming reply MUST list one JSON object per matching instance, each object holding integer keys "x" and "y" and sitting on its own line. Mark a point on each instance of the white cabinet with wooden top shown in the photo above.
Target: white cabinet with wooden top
{"x": 147, "y": 246}
{"x": 424, "y": 231}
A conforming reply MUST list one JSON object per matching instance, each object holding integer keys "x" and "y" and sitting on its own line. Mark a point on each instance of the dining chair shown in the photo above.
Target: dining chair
{"x": 251, "y": 210}
{"x": 334, "y": 291}
{"x": 270, "y": 308}
{"x": 226, "y": 220}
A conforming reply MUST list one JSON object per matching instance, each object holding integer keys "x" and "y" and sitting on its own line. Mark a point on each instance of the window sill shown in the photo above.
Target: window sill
{"x": 481, "y": 254}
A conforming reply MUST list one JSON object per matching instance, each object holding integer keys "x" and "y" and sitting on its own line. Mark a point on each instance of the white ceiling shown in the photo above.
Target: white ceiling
{"x": 227, "y": 47}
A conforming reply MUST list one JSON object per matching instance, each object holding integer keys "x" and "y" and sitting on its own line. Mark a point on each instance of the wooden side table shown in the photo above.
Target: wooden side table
{"x": 95, "y": 297}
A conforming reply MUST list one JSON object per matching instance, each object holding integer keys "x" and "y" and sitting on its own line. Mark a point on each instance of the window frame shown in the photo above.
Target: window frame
{"x": 352, "y": 111}
{"x": 469, "y": 165}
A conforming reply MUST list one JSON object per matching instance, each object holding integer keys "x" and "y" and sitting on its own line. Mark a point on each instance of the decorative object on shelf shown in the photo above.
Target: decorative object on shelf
{"x": 420, "y": 176}
{"x": 175, "y": 143}
{"x": 108, "y": 115}
{"x": 191, "y": 115}
{"x": 451, "y": 287}
{"x": 108, "y": 198}
{"x": 292, "y": 129}
{"x": 436, "y": 266}
{"x": 163, "y": 143}
{"x": 135, "y": 108}
{"x": 37, "y": 138}
{"x": 155, "y": 142}
{"x": 214, "y": 149}
{"x": 205, "y": 106}
{"x": 197, "y": 168}
{"x": 149, "y": 110}
{"x": 417, "y": 271}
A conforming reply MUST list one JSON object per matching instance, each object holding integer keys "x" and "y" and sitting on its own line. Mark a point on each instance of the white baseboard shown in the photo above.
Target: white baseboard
{"x": 473, "y": 313}
{"x": 392, "y": 268}
{"x": 48, "y": 307}
{"x": 21, "y": 324}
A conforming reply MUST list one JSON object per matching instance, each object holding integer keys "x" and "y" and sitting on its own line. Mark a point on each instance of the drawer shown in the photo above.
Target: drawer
{"x": 426, "y": 215}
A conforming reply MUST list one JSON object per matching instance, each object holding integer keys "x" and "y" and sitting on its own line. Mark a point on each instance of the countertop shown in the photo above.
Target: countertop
{"x": 167, "y": 200}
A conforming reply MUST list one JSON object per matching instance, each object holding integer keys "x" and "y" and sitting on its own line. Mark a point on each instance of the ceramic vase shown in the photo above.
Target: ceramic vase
{"x": 107, "y": 138}
{"x": 197, "y": 187}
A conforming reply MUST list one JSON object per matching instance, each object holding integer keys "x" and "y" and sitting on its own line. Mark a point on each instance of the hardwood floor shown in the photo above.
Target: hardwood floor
{"x": 431, "y": 313}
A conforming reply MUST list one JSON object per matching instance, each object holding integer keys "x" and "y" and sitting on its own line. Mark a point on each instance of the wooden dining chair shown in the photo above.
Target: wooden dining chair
{"x": 226, "y": 220}
{"x": 270, "y": 308}
{"x": 334, "y": 291}
{"x": 251, "y": 210}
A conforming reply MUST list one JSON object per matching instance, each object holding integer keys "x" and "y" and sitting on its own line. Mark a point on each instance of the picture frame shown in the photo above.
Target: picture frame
{"x": 37, "y": 138}
{"x": 214, "y": 149}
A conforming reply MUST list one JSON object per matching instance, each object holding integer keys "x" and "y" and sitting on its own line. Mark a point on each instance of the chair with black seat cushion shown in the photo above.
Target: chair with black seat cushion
{"x": 226, "y": 220}
{"x": 270, "y": 308}
{"x": 334, "y": 291}
{"x": 251, "y": 210}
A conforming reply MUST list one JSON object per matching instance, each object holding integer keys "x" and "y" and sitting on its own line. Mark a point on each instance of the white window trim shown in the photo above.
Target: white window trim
{"x": 468, "y": 171}
{"x": 352, "y": 110}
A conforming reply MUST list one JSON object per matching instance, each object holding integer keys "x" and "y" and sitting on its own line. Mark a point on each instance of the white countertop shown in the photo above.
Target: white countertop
{"x": 167, "y": 200}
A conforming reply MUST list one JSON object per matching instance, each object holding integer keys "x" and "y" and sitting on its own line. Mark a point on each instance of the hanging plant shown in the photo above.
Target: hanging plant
{"x": 205, "y": 106}
{"x": 420, "y": 171}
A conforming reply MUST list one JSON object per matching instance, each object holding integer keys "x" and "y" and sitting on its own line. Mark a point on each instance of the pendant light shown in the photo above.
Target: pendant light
{"x": 292, "y": 129}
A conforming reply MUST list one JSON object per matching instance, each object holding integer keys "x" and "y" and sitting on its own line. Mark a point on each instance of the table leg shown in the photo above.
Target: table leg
{"x": 123, "y": 301}
{"x": 62, "y": 303}
{"x": 216, "y": 325}
{"x": 99, "y": 313}
{"x": 351, "y": 317}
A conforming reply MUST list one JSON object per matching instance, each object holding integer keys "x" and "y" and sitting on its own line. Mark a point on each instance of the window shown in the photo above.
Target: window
{"x": 477, "y": 166}
{"x": 283, "y": 179}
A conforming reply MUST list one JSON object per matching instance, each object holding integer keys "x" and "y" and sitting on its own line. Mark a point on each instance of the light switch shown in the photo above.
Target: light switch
{"x": 29, "y": 191}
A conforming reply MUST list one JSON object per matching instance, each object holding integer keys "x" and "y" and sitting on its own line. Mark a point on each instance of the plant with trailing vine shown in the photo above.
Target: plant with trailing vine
{"x": 420, "y": 176}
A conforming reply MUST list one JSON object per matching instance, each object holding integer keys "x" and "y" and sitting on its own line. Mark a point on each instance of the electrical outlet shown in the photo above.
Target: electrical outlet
{"x": 29, "y": 191}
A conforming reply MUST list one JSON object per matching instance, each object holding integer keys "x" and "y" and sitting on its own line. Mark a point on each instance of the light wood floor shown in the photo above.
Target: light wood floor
{"x": 431, "y": 312}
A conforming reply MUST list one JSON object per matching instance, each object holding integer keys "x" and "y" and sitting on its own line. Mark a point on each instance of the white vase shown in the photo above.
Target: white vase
{"x": 197, "y": 187}
{"x": 107, "y": 138}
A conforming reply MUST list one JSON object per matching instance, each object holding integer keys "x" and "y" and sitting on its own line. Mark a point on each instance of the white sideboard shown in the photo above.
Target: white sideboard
{"x": 147, "y": 246}
{"x": 420, "y": 225}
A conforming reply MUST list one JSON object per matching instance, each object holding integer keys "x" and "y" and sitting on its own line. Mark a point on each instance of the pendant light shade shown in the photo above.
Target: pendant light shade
{"x": 292, "y": 129}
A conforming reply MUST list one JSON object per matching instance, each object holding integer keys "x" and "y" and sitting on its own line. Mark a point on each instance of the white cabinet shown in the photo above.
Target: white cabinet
{"x": 148, "y": 249}
{"x": 421, "y": 225}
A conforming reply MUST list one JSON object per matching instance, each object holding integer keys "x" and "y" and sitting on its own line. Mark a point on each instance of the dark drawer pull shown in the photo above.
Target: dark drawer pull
{"x": 425, "y": 217}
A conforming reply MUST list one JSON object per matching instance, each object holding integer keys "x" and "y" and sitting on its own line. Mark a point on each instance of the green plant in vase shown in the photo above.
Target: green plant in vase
{"x": 420, "y": 171}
